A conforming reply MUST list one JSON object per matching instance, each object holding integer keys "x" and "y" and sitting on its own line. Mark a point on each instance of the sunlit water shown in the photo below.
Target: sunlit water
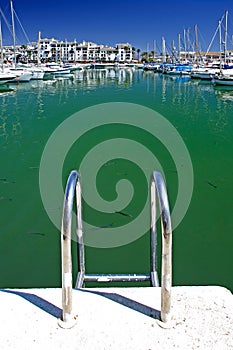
{"x": 200, "y": 112}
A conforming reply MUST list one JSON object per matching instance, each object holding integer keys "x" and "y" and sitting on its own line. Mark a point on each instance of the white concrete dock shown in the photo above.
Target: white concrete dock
{"x": 117, "y": 319}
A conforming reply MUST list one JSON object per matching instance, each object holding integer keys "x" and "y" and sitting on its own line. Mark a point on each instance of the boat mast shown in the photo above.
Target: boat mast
{"x": 188, "y": 40}
{"x": 173, "y": 51}
{"x": 220, "y": 42}
{"x": 179, "y": 57}
{"x": 1, "y": 45}
{"x": 225, "y": 38}
{"x": 196, "y": 43}
{"x": 13, "y": 30}
{"x": 185, "y": 46}
{"x": 154, "y": 49}
{"x": 163, "y": 49}
{"x": 38, "y": 49}
{"x": 147, "y": 51}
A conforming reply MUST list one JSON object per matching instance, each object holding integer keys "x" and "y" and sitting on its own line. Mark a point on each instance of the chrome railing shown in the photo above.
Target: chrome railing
{"x": 73, "y": 188}
{"x": 158, "y": 185}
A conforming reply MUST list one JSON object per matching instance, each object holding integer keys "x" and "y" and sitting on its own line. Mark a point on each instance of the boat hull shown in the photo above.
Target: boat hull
{"x": 204, "y": 74}
{"x": 5, "y": 78}
{"x": 24, "y": 78}
{"x": 223, "y": 82}
{"x": 178, "y": 73}
{"x": 37, "y": 75}
{"x": 61, "y": 72}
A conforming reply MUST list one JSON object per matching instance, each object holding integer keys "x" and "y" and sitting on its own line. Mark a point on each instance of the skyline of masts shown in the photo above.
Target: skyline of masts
{"x": 186, "y": 45}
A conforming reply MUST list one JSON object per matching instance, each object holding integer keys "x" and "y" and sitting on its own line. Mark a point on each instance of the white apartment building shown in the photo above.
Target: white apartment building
{"x": 55, "y": 50}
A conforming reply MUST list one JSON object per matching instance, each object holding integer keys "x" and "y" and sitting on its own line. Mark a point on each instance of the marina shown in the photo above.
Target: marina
{"x": 200, "y": 111}
{"x": 45, "y": 57}
{"x": 116, "y": 182}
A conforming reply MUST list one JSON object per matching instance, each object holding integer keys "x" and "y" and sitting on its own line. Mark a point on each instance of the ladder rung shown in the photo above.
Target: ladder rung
{"x": 116, "y": 277}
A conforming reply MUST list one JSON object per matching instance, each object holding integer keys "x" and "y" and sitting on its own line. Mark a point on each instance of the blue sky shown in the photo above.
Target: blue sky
{"x": 136, "y": 22}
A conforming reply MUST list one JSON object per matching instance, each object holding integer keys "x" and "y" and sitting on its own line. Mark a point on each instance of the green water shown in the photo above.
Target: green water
{"x": 200, "y": 112}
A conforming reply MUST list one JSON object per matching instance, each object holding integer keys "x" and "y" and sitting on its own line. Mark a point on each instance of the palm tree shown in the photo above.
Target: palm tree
{"x": 138, "y": 52}
{"x": 144, "y": 56}
{"x": 153, "y": 55}
{"x": 133, "y": 51}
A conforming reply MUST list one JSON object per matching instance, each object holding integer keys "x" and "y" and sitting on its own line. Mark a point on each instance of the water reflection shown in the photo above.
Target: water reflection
{"x": 3, "y": 131}
{"x": 90, "y": 79}
{"x": 9, "y": 122}
{"x": 100, "y": 77}
{"x": 224, "y": 92}
{"x": 179, "y": 94}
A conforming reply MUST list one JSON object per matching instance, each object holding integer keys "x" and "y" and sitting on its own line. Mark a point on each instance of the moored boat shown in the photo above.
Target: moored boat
{"x": 139, "y": 65}
{"x": 152, "y": 67}
{"x": 98, "y": 66}
{"x": 204, "y": 73}
{"x": 36, "y": 71}
{"x": 73, "y": 66}
{"x": 21, "y": 75}
{"x": 61, "y": 72}
{"x": 5, "y": 77}
{"x": 177, "y": 69}
{"x": 37, "y": 74}
{"x": 226, "y": 80}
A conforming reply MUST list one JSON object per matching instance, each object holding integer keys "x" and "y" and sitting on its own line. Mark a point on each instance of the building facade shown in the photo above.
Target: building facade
{"x": 46, "y": 50}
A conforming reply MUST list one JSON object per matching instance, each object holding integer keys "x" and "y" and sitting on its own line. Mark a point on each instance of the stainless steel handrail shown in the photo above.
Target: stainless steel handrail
{"x": 72, "y": 186}
{"x": 158, "y": 185}
{"x": 79, "y": 232}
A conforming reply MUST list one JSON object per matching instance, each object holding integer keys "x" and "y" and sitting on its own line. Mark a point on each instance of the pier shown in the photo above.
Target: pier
{"x": 117, "y": 318}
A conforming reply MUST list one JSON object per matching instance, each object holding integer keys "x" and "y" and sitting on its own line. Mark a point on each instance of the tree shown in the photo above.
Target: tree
{"x": 133, "y": 51}
{"x": 138, "y": 52}
{"x": 144, "y": 56}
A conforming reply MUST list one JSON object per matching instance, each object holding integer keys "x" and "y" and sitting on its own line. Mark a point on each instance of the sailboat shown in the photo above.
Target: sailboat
{"x": 203, "y": 71}
{"x": 5, "y": 76}
{"x": 209, "y": 72}
{"x": 226, "y": 80}
{"x": 37, "y": 71}
{"x": 21, "y": 75}
{"x": 225, "y": 77}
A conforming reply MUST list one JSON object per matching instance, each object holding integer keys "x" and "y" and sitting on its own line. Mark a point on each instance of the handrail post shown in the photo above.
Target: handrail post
{"x": 68, "y": 319}
{"x": 153, "y": 239}
{"x": 79, "y": 231}
{"x": 158, "y": 185}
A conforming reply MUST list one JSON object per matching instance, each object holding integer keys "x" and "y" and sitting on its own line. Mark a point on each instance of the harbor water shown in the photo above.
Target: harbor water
{"x": 201, "y": 114}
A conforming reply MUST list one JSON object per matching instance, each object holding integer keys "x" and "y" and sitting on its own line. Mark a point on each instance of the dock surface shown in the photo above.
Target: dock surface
{"x": 117, "y": 319}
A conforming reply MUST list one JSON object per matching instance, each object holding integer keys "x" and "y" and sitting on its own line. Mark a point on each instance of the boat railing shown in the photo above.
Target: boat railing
{"x": 73, "y": 189}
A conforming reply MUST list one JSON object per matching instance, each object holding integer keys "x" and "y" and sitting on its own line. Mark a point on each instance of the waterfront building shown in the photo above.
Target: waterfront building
{"x": 54, "y": 50}
{"x": 66, "y": 51}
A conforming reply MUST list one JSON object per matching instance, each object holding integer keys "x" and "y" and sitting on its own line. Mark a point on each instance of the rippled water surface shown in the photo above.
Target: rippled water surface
{"x": 202, "y": 115}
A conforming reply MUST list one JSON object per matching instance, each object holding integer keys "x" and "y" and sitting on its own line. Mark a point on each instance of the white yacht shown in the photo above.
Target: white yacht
{"x": 21, "y": 75}
{"x": 6, "y": 76}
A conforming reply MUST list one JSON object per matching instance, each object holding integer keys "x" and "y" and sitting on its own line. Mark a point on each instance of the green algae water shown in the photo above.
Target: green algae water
{"x": 202, "y": 115}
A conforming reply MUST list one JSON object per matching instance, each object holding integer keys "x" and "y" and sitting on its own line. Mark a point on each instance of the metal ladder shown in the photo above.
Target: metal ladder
{"x": 73, "y": 190}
